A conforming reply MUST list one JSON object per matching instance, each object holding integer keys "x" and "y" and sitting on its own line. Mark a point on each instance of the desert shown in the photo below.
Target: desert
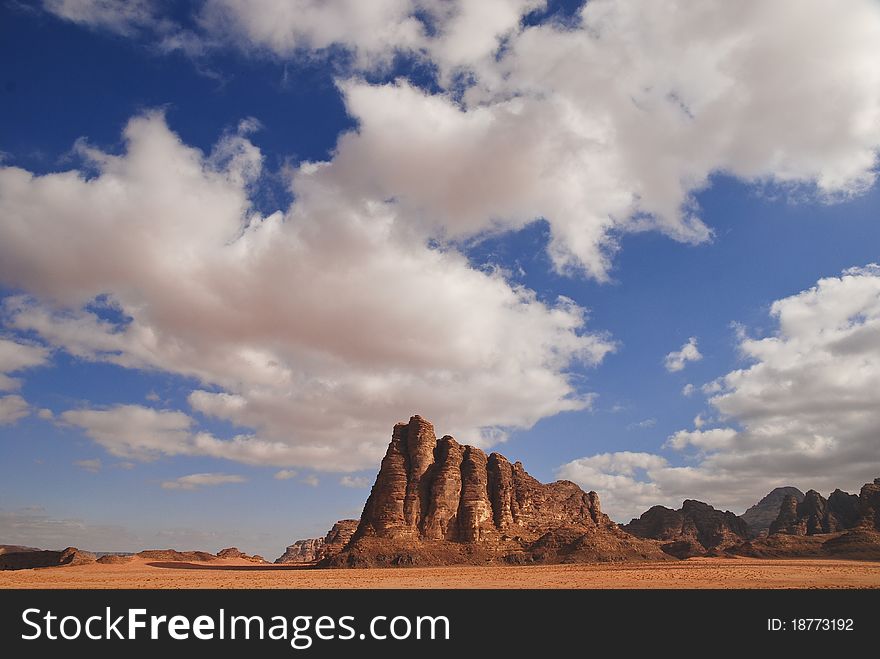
{"x": 446, "y": 515}
{"x": 694, "y": 573}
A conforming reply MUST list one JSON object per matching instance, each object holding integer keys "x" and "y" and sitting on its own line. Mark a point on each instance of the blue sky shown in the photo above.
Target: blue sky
{"x": 236, "y": 246}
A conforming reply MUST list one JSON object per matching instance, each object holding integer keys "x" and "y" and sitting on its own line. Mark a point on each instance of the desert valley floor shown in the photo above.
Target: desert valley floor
{"x": 692, "y": 573}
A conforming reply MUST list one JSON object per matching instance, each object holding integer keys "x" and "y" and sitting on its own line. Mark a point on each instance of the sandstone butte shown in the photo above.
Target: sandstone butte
{"x": 438, "y": 502}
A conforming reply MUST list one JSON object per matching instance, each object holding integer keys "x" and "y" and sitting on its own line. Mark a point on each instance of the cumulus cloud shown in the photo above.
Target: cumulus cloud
{"x": 315, "y": 328}
{"x": 196, "y": 481}
{"x": 678, "y": 359}
{"x": 612, "y": 125}
{"x": 93, "y": 466}
{"x": 807, "y": 409}
{"x": 285, "y": 474}
{"x": 15, "y": 356}
{"x": 606, "y": 124}
{"x": 13, "y": 408}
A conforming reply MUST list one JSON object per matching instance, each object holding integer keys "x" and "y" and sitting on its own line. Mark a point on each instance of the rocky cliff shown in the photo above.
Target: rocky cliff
{"x": 337, "y": 537}
{"x": 815, "y": 514}
{"x": 693, "y": 530}
{"x": 34, "y": 558}
{"x": 441, "y": 502}
{"x": 760, "y": 516}
{"x": 302, "y": 551}
{"x": 315, "y": 549}
{"x": 843, "y": 526}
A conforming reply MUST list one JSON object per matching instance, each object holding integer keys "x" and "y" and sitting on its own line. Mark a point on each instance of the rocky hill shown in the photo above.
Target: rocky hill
{"x": 34, "y": 558}
{"x": 438, "y": 502}
{"x": 695, "y": 529}
{"x": 302, "y": 551}
{"x": 315, "y": 549}
{"x": 760, "y": 516}
{"x": 816, "y": 514}
{"x": 842, "y": 526}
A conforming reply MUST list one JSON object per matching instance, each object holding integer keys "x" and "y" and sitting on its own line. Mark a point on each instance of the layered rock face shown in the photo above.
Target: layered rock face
{"x": 302, "y": 551}
{"x": 760, "y": 516}
{"x": 441, "y": 502}
{"x": 844, "y": 525}
{"x": 816, "y": 515}
{"x": 869, "y": 506}
{"x": 316, "y": 549}
{"x": 337, "y": 538}
{"x": 693, "y": 530}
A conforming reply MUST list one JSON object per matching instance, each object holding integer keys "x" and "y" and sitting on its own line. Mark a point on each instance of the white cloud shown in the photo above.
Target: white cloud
{"x": 604, "y": 126}
{"x": 13, "y": 408}
{"x": 645, "y": 423}
{"x": 808, "y": 407}
{"x": 707, "y": 440}
{"x": 15, "y": 356}
{"x": 195, "y": 481}
{"x": 92, "y": 466}
{"x": 143, "y": 433}
{"x": 688, "y": 390}
{"x": 372, "y": 30}
{"x": 311, "y": 480}
{"x": 285, "y": 474}
{"x": 332, "y": 318}
{"x": 623, "y": 480}
{"x": 678, "y": 359}
{"x": 357, "y": 482}
{"x": 119, "y": 16}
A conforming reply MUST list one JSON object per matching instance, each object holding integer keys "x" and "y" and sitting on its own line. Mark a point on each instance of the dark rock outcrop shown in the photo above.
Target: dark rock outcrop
{"x": 843, "y": 526}
{"x": 869, "y": 506}
{"x": 439, "y": 502}
{"x": 817, "y": 515}
{"x": 35, "y": 558}
{"x": 787, "y": 520}
{"x": 693, "y": 530}
{"x": 760, "y": 516}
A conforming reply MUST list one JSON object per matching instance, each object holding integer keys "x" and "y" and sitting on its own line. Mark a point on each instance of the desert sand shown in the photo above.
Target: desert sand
{"x": 692, "y": 573}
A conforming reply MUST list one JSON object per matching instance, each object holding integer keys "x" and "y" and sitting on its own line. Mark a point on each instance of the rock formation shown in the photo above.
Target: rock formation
{"x": 174, "y": 555}
{"x": 693, "y": 530}
{"x": 843, "y": 526}
{"x": 816, "y": 515}
{"x": 760, "y": 516}
{"x": 441, "y": 502}
{"x": 315, "y": 549}
{"x": 235, "y": 552}
{"x": 302, "y": 551}
{"x": 34, "y": 558}
{"x": 337, "y": 537}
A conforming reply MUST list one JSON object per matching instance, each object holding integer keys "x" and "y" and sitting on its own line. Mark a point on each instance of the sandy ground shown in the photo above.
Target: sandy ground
{"x": 693, "y": 573}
